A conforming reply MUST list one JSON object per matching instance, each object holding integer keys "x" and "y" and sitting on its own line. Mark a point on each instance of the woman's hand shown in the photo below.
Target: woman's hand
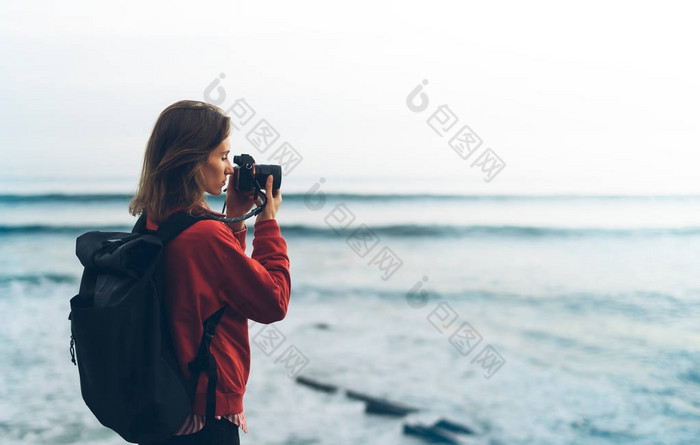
{"x": 274, "y": 199}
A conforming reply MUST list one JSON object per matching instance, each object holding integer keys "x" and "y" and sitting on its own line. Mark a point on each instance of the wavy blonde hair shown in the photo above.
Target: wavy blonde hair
{"x": 183, "y": 137}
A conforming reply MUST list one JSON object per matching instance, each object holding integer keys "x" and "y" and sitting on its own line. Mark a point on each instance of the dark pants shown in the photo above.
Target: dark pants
{"x": 220, "y": 432}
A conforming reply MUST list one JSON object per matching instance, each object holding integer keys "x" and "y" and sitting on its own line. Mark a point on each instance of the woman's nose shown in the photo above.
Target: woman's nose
{"x": 229, "y": 168}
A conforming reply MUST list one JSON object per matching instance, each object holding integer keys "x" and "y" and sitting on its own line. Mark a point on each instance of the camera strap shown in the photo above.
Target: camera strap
{"x": 253, "y": 212}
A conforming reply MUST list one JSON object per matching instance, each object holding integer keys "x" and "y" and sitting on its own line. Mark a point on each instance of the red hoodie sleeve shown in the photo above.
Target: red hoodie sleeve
{"x": 241, "y": 235}
{"x": 259, "y": 287}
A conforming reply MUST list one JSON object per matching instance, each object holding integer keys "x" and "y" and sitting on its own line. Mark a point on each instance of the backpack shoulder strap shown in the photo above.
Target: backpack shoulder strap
{"x": 205, "y": 361}
{"x": 171, "y": 227}
{"x": 176, "y": 223}
{"x": 140, "y": 226}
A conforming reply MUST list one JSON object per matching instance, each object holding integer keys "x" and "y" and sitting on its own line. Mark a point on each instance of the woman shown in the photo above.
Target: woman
{"x": 206, "y": 265}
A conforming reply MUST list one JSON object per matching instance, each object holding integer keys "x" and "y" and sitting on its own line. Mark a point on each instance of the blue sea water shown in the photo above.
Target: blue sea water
{"x": 586, "y": 308}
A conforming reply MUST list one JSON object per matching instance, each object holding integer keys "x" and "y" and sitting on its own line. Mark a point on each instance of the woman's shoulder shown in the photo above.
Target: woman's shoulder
{"x": 208, "y": 228}
{"x": 208, "y": 225}
{"x": 205, "y": 236}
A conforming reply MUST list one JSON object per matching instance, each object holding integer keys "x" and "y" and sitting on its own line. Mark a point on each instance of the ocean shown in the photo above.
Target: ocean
{"x": 531, "y": 319}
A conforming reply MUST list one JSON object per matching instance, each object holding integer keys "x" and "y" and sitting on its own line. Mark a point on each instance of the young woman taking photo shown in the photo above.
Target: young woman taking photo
{"x": 206, "y": 265}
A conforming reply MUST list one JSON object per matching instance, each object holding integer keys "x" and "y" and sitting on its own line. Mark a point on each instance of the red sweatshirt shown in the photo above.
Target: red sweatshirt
{"x": 207, "y": 269}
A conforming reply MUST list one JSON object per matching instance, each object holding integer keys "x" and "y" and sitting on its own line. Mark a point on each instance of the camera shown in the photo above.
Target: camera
{"x": 253, "y": 176}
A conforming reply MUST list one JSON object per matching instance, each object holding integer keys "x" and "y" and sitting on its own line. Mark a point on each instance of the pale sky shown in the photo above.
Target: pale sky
{"x": 597, "y": 97}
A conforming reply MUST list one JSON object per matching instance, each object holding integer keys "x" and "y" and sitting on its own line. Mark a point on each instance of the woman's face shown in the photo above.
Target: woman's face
{"x": 216, "y": 168}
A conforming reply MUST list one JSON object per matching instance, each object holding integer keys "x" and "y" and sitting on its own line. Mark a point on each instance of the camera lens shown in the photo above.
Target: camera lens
{"x": 262, "y": 171}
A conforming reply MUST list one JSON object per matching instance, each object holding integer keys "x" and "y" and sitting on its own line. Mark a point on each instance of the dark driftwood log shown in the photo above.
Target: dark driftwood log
{"x": 429, "y": 433}
{"x": 325, "y": 387}
{"x": 375, "y": 405}
{"x": 453, "y": 426}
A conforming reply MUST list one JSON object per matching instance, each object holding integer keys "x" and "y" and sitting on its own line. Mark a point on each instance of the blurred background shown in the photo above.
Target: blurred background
{"x": 492, "y": 210}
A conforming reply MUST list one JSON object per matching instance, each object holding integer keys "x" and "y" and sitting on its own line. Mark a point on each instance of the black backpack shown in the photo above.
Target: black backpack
{"x": 129, "y": 375}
